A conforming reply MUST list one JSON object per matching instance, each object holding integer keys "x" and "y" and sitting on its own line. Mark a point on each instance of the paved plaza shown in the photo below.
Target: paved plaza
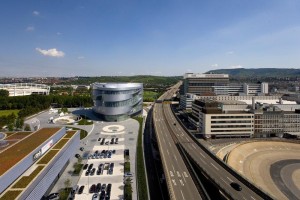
{"x": 126, "y": 132}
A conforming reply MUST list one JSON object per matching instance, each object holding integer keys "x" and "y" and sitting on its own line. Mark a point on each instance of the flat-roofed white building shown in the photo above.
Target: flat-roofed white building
{"x": 24, "y": 89}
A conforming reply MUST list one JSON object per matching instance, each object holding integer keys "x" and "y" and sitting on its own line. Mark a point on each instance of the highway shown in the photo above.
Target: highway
{"x": 163, "y": 118}
{"x": 179, "y": 181}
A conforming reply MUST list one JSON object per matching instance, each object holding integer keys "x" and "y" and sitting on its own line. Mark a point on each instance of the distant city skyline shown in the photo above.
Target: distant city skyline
{"x": 166, "y": 38}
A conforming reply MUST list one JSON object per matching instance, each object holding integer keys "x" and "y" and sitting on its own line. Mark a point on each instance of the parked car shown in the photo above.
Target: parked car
{"x": 93, "y": 172}
{"x": 128, "y": 174}
{"x": 117, "y": 140}
{"x": 81, "y": 148}
{"x": 98, "y": 187}
{"x": 75, "y": 189}
{"x": 53, "y": 196}
{"x": 103, "y": 187}
{"x": 91, "y": 166}
{"x": 112, "y": 141}
{"x": 102, "y": 195}
{"x": 93, "y": 188}
{"x": 81, "y": 189}
{"x": 77, "y": 155}
{"x": 95, "y": 196}
{"x": 85, "y": 166}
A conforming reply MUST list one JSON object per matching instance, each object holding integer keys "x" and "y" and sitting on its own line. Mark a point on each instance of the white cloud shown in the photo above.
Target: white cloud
{"x": 36, "y": 13}
{"x": 236, "y": 66}
{"x": 58, "y": 33}
{"x": 80, "y": 57}
{"x": 230, "y": 52}
{"x": 51, "y": 52}
{"x": 30, "y": 28}
{"x": 215, "y": 66}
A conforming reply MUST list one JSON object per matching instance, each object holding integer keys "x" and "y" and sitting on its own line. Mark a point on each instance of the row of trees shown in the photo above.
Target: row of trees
{"x": 12, "y": 122}
{"x": 42, "y": 102}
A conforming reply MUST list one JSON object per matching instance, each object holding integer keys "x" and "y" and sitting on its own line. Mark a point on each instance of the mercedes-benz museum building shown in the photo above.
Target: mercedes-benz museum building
{"x": 117, "y": 101}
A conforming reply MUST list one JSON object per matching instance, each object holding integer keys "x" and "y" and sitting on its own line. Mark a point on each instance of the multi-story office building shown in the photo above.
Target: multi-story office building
{"x": 242, "y": 89}
{"x": 213, "y": 122}
{"x": 117, "y": 101}
{"x": 216, "y": 119}
{"x": 201, "y": 84}
{"x": 272, "y": 121}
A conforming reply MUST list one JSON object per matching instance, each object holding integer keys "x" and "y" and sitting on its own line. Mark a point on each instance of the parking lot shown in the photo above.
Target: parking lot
{"x": 104, "y": 166}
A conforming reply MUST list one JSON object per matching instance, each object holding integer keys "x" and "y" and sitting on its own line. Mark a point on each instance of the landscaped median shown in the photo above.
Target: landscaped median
{"x": 141, "y": 175}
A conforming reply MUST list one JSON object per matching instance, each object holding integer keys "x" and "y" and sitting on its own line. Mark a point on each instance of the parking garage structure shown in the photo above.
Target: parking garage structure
{"x": 30, "y": 166}
{"x": 117, "y": 101}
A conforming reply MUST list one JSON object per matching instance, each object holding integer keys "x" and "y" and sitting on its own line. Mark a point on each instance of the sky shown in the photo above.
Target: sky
{"x": 146, "y": 37}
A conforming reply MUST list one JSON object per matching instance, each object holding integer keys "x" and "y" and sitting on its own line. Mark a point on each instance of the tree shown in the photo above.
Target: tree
{"x": 68, "y": 183}
{"x": 27, "y": 128}
{"x": 4, "y": 93}
{"x": 10, "y": 127}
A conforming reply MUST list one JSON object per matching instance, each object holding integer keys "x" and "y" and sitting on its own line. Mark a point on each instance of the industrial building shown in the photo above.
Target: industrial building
{"x": 215, "y": 119}
{"x": 30, "y": 162}
{"x": 117, "y": 101}
{"x": 24, "y": 89}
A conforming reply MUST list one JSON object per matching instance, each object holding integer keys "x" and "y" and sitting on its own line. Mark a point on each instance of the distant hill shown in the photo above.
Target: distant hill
{"x": 259, "y": 72}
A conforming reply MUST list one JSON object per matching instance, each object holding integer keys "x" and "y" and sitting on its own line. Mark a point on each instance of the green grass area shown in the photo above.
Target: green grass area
{"x": 25, "y": 180}
{"x": 64, "y": 193}
{"x": 8, "y": 112}
{"x": 77, "y": 168}
{"x": 128, "y": 189}
{"x": 127, "y": 167}
{"x": 85, "y": 122}
{"x": 69, "y": 134}
{"x": 150, "y": 96}
{"x": 61, "y": 143}
{"x": 48, "y": 156}
{"x": 83, "y": 133}
{"x": 141, "y": 176}
{"x": 11, "y": 194}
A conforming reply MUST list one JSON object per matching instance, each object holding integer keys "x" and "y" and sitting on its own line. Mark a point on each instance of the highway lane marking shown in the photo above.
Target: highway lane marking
{"x": 193, "y": 146}
{"x": 183, "y": 177}
{"x": 222, "y": 179}
{"x": 203, "y": 161}
{"x": 252, "y": 197}
{"x": 168, "y": 152}
{"x": 229, "y": 179}
{"x": 187, "y": 139}
{"x": 164, "y": 140}
{"x": 202, "y": 155}
{"x": 244, "y": 198}
{"x": 175, "y": 158}
{"x": 214, "y": 166}
{"x": 169, "y": 143}
{"x": 171, "y": 174}
{"x": 182, "y": 194}
{"x": 178, "y": 174}
{"x": 174, "y": 182}
{"x": 185, "y": 174}
{"x": 181, "y": 182}
{"x": 173, "y": 168}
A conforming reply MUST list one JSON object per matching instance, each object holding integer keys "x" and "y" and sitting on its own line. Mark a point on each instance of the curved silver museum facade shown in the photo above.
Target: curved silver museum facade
{"x": 117, "y": 101}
